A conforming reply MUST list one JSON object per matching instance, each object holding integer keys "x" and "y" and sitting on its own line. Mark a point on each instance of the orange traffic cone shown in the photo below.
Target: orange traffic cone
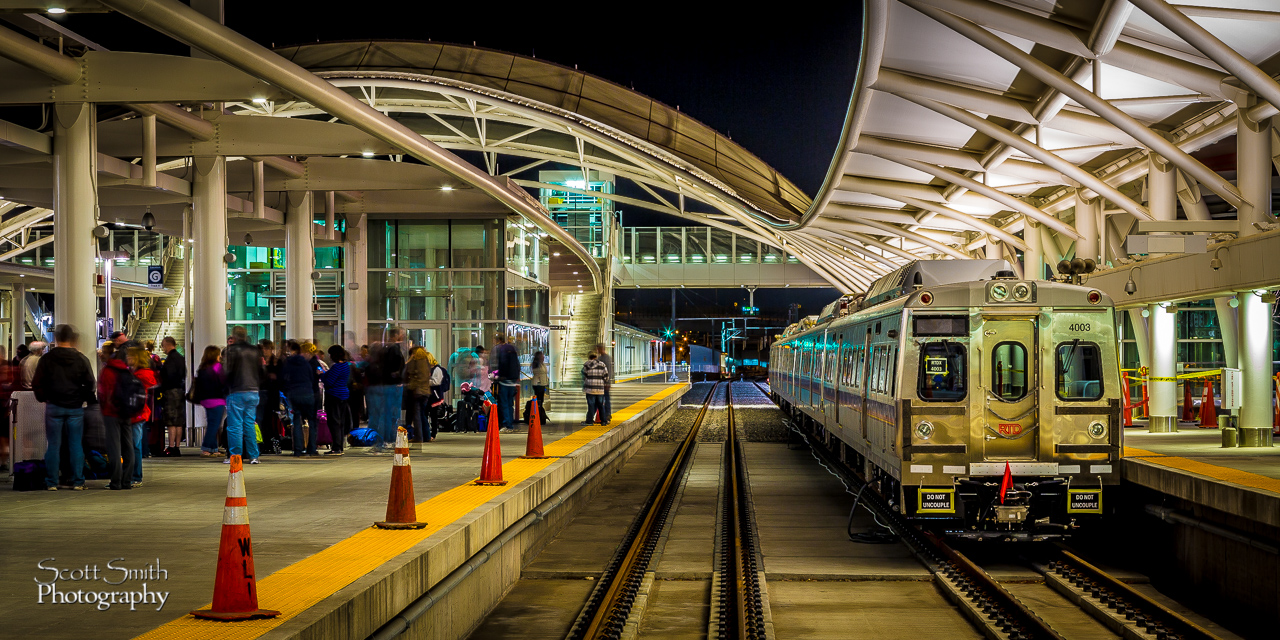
{"x": 1187, "y": 409}
{"x": 533, "y": 448}
{"x": 491, "y": 462}
{"x": 401, "y": 510}
{"x": 235, "y": 589}
{"x": 1208, "y": 413}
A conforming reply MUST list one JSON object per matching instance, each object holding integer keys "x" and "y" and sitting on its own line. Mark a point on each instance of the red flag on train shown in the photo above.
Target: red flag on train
{"x": 1007, "y": 482}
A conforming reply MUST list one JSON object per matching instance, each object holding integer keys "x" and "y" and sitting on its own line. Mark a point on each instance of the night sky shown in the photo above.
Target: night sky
{"x": 777, "y": 81}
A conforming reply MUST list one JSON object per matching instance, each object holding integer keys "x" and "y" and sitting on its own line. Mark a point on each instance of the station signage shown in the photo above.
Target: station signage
{"x": 936, "y": 500}
{"x": 1084, "y": 501}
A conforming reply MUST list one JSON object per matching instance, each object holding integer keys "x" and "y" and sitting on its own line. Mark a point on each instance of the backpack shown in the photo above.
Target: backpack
{"x": 446, "y": 382}
{"x": 129, "y": 396}
{"x": 365, "y": 437}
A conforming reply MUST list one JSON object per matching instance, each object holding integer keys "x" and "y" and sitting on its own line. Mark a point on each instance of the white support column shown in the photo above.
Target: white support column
{"x": 1164, "y": 364}
{"x": 992, "y": 250}
{"x": 1033, "y": 257}
{"x": 74, "y": 206}
{"x": 355, "y": 296}
{"x": 299, "y": 263}
{"x": 1162, "y": 189}
{"x": 1049, "y": 245}
{"x": 1140, "y": 337}
{"x": 1087, "y": 226}
{"x": 1255, "y": 370}
{"x": 18, "y": 317}
{"x": 208, "y": 284}
{"x": 1189, "y": 195}
{"x": 1227, "y": 323}
{"x": 1253, "y": 172}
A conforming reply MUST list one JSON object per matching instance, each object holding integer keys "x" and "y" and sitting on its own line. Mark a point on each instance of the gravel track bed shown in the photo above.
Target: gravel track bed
{"x": 714, "y": 426}
{"x": 676, "y": 427}
{"x": 746, "y": 394}
{"x": 762, "y": 425}
{"x": 697, "y": 394}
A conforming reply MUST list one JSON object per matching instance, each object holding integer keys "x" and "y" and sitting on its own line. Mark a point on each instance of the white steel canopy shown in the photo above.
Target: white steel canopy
{"x": 971, "y": 118}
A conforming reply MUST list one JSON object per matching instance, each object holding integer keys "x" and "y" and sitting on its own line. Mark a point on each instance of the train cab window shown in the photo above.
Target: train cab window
{"x": 942, "y": 372}
{"x": 1078, "y": 370}
{"x": 1009, "y": 371}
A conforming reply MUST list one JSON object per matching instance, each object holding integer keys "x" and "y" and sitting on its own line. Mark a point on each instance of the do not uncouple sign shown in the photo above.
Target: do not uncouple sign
{"x": 155, "y": 277}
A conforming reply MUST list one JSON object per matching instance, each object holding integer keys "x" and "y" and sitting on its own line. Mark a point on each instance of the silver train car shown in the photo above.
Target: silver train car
{"x": 949, "y": 375}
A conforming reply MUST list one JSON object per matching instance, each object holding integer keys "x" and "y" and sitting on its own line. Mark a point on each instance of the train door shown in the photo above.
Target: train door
{"x": 864, "y": 378}
{"x": 805, "y": 372}
{"x": 822, "y": 371}
{"x": 841, "y": 380}
{"x": 1010, "y": 422}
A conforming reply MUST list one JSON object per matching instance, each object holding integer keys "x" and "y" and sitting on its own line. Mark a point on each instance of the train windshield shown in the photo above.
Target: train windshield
{"x": 942, "y": 371}
{"x": 1079, "y": 371}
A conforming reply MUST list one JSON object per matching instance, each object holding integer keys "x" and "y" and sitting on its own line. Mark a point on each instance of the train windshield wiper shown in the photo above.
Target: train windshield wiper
{"x": 1071, "y": 356}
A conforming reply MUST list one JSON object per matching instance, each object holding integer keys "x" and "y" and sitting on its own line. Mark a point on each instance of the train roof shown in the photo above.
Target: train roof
{"x": 931, "y": 273}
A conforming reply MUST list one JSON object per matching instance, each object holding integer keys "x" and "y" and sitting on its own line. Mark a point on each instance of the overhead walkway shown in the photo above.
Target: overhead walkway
{"x": 666, "y": 257}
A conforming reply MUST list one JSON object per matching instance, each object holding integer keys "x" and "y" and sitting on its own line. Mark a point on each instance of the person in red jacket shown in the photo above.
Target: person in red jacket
{"x": 121, "y": 449}
{"x": 141, "y": 364}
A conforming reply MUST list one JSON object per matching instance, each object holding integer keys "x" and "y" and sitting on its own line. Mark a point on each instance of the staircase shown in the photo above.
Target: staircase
{"x": 168, "y": 315}
{"x": 582, "y": 336}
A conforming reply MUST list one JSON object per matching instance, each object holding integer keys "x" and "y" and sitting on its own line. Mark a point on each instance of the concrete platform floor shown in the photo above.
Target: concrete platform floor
{"x": 298, "y": 507}
{"x": 1205, "y": 445}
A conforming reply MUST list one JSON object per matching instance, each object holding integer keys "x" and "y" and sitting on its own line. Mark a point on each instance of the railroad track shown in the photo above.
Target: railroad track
{"x": 1124, "y": 610}
{"x": 999, "y": 615}
{"x": 737, "y": 593}
{"x": 738, "y": 607}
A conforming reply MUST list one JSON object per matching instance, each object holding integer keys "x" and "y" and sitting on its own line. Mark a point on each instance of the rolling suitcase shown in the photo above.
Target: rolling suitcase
{"x": 29, "y": 441}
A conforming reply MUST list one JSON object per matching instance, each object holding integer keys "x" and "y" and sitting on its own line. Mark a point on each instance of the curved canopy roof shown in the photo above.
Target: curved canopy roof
{"x": 706, "y": 151}
{"x": 971, "y": 117}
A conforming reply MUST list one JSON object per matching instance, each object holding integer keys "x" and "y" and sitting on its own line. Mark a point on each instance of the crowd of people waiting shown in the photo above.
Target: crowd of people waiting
{"x": 249, "y": 390}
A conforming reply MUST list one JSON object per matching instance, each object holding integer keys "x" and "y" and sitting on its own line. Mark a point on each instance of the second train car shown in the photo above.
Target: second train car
{"x": 967, "y": 397}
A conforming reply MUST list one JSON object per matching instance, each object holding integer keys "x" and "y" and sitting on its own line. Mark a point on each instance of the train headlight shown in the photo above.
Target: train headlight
{"x": 924, "y": 430}
{"x": 1097, "y": 430}
{"x": 1022, "y": 292}
{"x": 999, "y": 292}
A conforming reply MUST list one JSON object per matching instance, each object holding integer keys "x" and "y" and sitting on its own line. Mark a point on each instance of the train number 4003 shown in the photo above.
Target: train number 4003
{"x": 1080, "y": 326}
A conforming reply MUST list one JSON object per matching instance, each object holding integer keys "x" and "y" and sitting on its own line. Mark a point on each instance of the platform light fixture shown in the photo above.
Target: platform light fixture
{"x": 56, "y": 10}
{"x": 446, "y": 188}
{"x": 259, "y": 100}
{"x": 367, "y": 154}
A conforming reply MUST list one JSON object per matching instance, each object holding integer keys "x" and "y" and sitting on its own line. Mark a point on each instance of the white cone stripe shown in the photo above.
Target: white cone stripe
{"x": 235, "y": 485}
{"x": 401, "y": 460}
{"x": 402, "y": 439}
{"x": 235, "y": 515}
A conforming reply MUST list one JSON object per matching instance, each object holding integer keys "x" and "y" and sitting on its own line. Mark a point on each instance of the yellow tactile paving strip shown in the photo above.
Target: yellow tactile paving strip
{"x": 303, "y": 584}
{"x": 1225, "y": 474}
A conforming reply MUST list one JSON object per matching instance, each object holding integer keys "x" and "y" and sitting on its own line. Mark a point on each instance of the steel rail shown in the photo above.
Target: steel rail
{"x": 743, "y": 580}
{"x": 608, "y": 613}
{"x": 1117, "y": 605}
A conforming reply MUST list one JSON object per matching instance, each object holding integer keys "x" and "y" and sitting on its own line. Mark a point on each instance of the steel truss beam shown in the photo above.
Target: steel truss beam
{"x": 1070, "y": 88}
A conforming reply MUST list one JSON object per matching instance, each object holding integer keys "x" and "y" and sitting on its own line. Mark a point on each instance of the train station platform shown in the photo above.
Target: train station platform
{"x": 318, "y": 560}
{"x": 1193, "y": 466}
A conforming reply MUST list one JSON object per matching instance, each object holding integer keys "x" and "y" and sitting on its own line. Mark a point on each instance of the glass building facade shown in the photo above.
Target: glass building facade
{"x": 453, "y": 283}
{"x": 256, "y": 293}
